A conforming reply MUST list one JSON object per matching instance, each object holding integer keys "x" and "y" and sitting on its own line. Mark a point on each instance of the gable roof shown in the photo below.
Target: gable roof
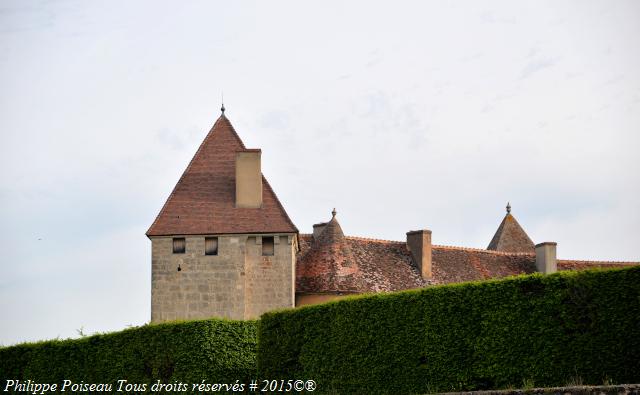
{"x": 203, "y": 200}
{"x": 510, "y": 237}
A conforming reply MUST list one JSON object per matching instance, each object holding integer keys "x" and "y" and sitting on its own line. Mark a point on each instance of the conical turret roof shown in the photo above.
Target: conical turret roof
{"x": 510, "y": 237}
{"x": 330, "y": 264}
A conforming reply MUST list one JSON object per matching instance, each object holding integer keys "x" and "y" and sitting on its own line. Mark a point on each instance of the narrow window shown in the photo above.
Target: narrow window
{"x": 179, "y": 245}
{"x": 211, "y": 246}
{"x": 267, "y": 246}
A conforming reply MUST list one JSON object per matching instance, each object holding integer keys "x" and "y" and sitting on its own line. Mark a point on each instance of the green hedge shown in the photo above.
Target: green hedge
{"x": 566, "y": 328}
{"x": 216, "y": 350}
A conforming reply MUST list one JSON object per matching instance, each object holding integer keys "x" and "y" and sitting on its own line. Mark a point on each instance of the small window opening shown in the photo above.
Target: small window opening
{"x": 179, "y": 245}
{"x": 267, "y": 246}
{"x": 211, "y": 246}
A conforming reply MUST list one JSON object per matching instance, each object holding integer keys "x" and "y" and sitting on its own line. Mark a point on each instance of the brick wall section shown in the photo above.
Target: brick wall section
{"x": 238, "y": 283}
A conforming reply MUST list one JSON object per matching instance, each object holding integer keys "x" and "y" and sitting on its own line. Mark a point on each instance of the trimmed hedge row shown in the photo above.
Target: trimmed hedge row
{"x": 217, "y": 350}
{"x": 566, "y": 328}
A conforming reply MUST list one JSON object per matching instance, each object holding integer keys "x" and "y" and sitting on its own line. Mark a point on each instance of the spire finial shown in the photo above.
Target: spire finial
{"x": 333, "y": 213}
{"x": 222, "y": 108}
{"x": 508, "y": 208}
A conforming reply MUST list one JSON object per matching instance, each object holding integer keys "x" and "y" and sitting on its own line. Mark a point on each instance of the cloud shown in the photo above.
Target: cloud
{"x": 278, "y": 120}
{"x": 536, "y": 66}
{"x": 24, "y": 18}
{"x": 170, "y": 139}
{"x": 490, "y": 17}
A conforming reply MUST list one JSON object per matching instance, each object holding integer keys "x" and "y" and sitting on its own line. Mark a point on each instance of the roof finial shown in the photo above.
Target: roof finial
{"x": 333, "y": 213}
{"x": 222, "y": 108}
{"x": 508, "y": 208}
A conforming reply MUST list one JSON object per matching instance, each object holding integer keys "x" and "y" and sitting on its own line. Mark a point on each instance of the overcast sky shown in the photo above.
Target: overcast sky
{"x": 402, "y": 115}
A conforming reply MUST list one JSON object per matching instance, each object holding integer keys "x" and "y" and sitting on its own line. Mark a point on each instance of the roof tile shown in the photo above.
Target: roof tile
{"x": 377, "y": 265}
{"x": 203, "y": 200}
{"x": 511, "y": 237}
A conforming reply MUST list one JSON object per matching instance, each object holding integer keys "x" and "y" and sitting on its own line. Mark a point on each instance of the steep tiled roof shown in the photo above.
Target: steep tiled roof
{"x": 336, "y": 263}
{"x": 510, "y": 236}
{"x": 203, "y": 200}
{"x": 387, "y": 265}
{"x": 458, "y": 264}
{"x": 329, "y": 264}
{"x": 564, "y": 264}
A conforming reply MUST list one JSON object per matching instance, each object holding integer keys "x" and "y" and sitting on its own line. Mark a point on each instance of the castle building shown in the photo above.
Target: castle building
{"x": 224, "y": 246}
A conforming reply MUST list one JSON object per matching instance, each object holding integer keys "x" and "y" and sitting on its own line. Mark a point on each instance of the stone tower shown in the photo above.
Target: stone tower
{"x": 222, "y": 245}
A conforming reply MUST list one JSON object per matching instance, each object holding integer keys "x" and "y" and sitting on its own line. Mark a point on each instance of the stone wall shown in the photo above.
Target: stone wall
{"x": 238, "y": 283}
{"x": 269, "y": 280}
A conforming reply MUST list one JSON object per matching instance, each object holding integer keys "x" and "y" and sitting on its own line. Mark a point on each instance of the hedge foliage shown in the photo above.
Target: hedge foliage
{"x": 554, "y": 330}
{"x": 217, "y": 350}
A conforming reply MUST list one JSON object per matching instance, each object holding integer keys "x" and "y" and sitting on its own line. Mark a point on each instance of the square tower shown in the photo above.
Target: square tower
{"x": 222, "y": 245}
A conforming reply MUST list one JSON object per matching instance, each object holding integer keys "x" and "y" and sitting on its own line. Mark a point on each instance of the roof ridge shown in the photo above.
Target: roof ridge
{"x": 433, "y": 245}
{"x": 444, "y": 247}
{"x": 598, "y": 262}
{"x": 235, "y": 134}
{"x": 175, "y": 187}
{"x": 374, "y": 239}
{"x": 493, "y": 252}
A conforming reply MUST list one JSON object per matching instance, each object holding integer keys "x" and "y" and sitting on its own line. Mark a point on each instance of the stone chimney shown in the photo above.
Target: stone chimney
{"x": 419, "y": 244}
{"x": 248, "y": 179}
{"x": 546, "y": 257}
{"x": 318, "y": 228}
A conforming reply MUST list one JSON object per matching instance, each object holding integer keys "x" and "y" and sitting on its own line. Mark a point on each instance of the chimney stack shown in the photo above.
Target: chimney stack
{"x": 248, "y": 179}
{"x": 318, "y": 228}
{"x": 419, "y": 244}
{"x": 546, "y": 257}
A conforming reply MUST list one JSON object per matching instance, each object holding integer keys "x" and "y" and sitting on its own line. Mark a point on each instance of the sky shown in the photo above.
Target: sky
{"x": 402, "y": 115}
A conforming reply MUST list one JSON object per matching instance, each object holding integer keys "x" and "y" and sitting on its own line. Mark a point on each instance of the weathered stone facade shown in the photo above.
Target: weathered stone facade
{"x": 238, "y": 283}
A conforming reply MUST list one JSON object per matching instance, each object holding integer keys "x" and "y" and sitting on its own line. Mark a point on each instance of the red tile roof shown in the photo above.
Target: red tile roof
{"x": 329, "y": 264}
{"x": 564, "y": 264}
{"x": 458, "y": 264}
{"x": 203, "y": 200}
{"x": 385, "y": 265}
{"x": 511, "y": 237}
{"x": 336, "y": 263}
